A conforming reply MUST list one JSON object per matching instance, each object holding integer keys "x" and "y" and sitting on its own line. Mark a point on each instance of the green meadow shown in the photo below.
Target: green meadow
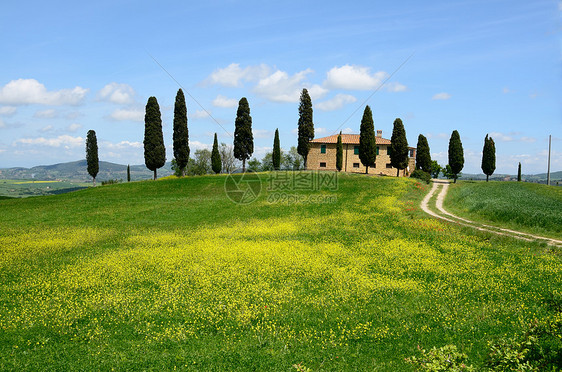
{"x": 171, "y": 274}
{"x": 527, "y": 207}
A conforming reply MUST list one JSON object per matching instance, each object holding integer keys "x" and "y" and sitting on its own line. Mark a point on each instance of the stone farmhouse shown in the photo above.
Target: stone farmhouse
{"x": 322, "y": 155}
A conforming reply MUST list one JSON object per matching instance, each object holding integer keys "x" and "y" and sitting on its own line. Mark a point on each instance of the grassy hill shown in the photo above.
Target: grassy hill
{"x": 521, "y": 206}
{"x": 159, "y": 275}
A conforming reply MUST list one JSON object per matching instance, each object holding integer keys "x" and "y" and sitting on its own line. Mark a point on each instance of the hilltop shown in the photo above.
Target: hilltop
{"x": 174, "y": 275}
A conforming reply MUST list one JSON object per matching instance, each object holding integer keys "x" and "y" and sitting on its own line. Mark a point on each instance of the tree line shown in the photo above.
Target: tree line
{"x": 223, "y": 157}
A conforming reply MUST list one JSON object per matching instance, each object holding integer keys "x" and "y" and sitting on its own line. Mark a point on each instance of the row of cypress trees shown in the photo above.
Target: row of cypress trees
{"x": 155, "y": 152}
{"x": 456, "y": 155}
{"x": 368, "y": 144}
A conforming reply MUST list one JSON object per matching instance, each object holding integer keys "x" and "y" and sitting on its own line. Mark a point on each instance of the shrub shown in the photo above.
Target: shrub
{"x": 539, "y": 348}
{"x": 419, "y": 174}
{"x": 446, "y": 358}
{"x": 110, "y": 182}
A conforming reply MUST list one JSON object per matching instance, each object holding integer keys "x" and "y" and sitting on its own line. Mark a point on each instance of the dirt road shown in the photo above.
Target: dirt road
{"x": 447, "y": 216}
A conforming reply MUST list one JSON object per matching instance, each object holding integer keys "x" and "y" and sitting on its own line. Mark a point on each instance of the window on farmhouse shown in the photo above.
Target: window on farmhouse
{"x": 322, "y": 149}
{"x": 355, "y": 165}
{"x": 355, "y": 150}
{"x": 377, "y": 150}
{"x": 412, "y": 153}
{"x": 388, "y": 165}
{"x": 322, "y": 165}
{"x": 388, "y": 150}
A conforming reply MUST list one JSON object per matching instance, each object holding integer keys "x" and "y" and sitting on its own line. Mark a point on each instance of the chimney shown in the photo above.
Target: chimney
{"x": 379, "y": 133}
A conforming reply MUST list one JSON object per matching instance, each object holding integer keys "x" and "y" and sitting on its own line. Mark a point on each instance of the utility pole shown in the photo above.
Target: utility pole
{"x": 548, "y": 172}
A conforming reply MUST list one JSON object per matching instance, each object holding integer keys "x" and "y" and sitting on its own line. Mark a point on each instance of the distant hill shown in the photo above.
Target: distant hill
{"x": 539, "y": 178}
{"x": 77, "y": 171}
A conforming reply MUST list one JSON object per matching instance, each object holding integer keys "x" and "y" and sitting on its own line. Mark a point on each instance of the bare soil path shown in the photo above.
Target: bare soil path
{"x": 443, "y": 185}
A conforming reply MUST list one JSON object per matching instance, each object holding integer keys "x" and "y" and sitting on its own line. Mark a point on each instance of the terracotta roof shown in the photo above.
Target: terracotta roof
{"x": 351, "y": 139}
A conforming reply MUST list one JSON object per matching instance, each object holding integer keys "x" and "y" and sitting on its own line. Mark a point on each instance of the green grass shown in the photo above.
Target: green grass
{"x": 172, "y": 274}
{"x": 527, "y": 207}
{"x": 26, "y": 188}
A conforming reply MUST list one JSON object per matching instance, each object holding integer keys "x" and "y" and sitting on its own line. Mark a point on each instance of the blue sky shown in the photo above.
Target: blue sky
{"x": 476, "y": 66}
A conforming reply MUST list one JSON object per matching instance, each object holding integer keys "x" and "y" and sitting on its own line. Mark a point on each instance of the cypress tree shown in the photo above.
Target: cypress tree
{"x": 456, "y": 154}
{"x": 92, "y": 155}
{"x": 181, "y": 134}
{"x": 128, "y": 173}
{"x": 243, "y": 138}
{"x": 339, "y": 154}
{"x": 216, "y": 162}
{"x": 154, "y": 150}
{"x": 276, "y": 155}
{"x": 398, "y": 147}
{"x": 423, "y": 157}
{"x": 519, "y": 173}
{"x": 306, "y": 126}
{"x": 367, "y": 141}
{"x": 488, "y": 157}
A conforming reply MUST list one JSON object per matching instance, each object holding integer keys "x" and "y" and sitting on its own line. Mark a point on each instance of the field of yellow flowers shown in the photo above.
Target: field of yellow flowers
{"x": 173, "y": 275}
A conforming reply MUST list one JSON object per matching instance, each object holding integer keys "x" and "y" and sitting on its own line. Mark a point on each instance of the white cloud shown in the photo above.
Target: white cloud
{"x": 30, "y": 91}
{"x": 262, "y": 133}
{"x": 233, "y": 74}
{"x": 123, "y": 145}
{"x": 336, "y": 102}
{"x": 347, "y": 130}
{"x": 506, "y": 90}
{"x": 441, "y": 157}
{"x": 200, "y": 114}
{"x": 441, "y": 96}
{"x": 222, "y": 101}
{"x": 197, "y": 145}
{"x": 320, "y": 131}
{"x": 280, "y": 87}
{"x": 354, "y": 78}
{"x": 46, "y": 114}
{"x": 117, "y": 93}
{"x": 128, "y": 114}
{"x": 530, "y": 163}
{"x": 65, "y": 141}
{"x": 73, "y": 115}
{"x": 509, "y": 137}
{"x": 73, "y": 127}
{"x": 395, "y": 87}
{"x": 260, "y": 151}
{"x": 47, "y": 128}
{"x": 501, "y": 137}
{"x": 7, "y": 110}
{"x": 2, "y": 124}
